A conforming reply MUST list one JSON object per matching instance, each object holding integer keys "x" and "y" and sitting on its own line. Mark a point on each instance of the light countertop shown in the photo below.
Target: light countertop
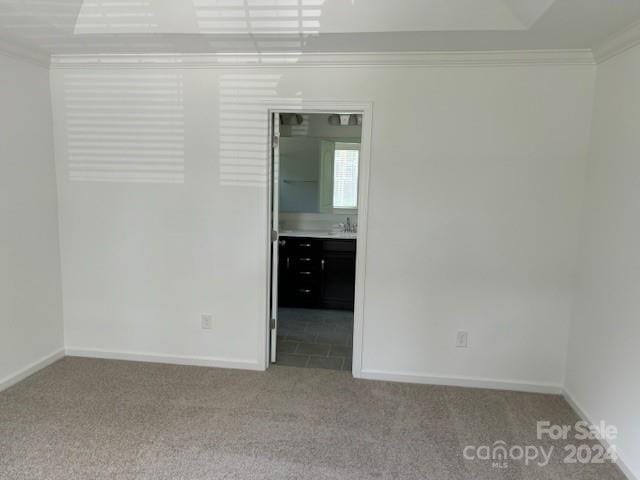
{"x": 317, "y": 234}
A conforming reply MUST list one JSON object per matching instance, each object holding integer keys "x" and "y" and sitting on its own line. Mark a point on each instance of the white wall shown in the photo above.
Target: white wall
{"x": 474, "y": 204}
{"x": 602, "y": 370}
{"x": 30, "y": 293}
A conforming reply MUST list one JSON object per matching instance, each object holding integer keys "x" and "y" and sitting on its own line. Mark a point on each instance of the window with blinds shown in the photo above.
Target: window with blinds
{"x": 345, "y": 175}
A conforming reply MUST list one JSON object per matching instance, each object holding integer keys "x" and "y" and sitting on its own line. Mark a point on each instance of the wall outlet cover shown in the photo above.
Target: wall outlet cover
{"x": 462, "y": 339}
{"x": 207, "y": 321}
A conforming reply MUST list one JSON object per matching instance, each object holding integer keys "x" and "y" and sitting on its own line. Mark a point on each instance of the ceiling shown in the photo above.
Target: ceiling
{"x": 212, "y": 26}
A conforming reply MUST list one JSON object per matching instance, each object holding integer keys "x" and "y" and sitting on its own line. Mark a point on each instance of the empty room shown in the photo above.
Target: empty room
{"x": 319, "y": 239}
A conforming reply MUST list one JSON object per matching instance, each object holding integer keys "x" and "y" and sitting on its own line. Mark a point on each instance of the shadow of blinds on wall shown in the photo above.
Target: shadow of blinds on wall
{"x": 111, "y": 16}
{"x": 244, "y": 128}
{"x": 125, "y": 127}
{"x": 245, "y": 97}
{"x": 43, "y": 24}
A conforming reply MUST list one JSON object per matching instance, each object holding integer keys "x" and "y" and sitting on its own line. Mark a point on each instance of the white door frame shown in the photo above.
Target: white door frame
{"x": 274, "y": 128}
{"x": 364, "y": 167}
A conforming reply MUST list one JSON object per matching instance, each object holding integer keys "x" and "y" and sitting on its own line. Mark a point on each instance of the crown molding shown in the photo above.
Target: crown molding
{"x": 29, "y": 55}
{"x": 371, "y": 59}
{"x": 618, "y": 43}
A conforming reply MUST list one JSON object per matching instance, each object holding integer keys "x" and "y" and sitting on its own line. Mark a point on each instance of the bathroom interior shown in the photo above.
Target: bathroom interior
{"x": 317, "y": 243}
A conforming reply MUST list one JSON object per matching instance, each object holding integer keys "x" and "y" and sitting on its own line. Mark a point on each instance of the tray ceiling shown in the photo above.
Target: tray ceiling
{"x": 210, "y": 26}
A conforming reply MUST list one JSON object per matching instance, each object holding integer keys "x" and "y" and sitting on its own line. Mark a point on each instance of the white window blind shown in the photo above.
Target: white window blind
{"x": 345, "y": 175}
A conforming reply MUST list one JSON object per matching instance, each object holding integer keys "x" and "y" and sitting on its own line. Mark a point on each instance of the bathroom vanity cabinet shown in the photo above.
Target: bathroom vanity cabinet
{"x": 317, "y": 272}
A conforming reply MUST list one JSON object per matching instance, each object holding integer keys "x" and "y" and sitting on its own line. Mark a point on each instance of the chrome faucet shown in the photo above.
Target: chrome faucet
{"x": 349, "y": 227}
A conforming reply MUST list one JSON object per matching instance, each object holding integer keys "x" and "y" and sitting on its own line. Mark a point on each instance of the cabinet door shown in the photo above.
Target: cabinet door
{"x": 338, "y": 280}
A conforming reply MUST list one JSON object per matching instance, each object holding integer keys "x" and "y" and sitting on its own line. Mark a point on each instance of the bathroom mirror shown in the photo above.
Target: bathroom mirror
{"x": 319, "y": 159}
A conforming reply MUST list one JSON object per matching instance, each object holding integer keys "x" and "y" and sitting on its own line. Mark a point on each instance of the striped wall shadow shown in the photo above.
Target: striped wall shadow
{"x": 125, "y": 127}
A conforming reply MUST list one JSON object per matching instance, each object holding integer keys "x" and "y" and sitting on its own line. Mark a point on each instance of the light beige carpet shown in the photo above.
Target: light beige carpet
{"x": 84, "y": 419}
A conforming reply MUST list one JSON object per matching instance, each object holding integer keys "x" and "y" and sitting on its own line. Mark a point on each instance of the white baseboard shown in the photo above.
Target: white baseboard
{"x": 168, "y": 359}
{"x": 30, "y": 369}
{"x": 469, "y": 382}
{"x": 588, "y": 418}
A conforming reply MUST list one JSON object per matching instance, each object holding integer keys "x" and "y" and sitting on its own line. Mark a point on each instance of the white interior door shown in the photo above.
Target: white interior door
{"x": 275, "y": 193}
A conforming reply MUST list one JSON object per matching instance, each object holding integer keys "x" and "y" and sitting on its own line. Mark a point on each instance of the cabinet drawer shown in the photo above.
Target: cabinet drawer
{"x": 303, "y": 246}
{"x": 304, "y": 296}
{"x": 304, "y": 291}
{"x": 347, "y": 246}
{"x": 303, "y": 263}
{"x": 306, "y": 275}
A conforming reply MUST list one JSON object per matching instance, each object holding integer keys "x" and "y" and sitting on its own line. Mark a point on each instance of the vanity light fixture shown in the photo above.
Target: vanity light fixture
{"x": 345, "y": 119}
{"x": 291, "y": 119}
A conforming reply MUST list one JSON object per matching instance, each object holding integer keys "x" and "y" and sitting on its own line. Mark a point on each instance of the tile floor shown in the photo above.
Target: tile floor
{"x": 315, "y": 338}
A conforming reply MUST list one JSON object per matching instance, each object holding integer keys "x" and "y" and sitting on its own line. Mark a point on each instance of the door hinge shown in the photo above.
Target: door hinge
{"x": 274, "y": 235}
{"x": 272, "y": 324}
{"x": 275, "y": 141}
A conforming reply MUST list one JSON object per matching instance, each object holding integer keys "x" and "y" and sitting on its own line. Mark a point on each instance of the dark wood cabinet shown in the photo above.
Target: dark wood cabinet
{"x": 317, "y": 273}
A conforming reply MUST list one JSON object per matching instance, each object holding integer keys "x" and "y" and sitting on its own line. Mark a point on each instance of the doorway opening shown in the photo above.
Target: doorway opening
{"x": 317, "y": 200}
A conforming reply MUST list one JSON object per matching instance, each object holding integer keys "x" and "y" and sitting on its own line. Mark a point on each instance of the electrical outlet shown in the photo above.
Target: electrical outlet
{"x": 462, "y": 339}
{"x": 207, "y": 321}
